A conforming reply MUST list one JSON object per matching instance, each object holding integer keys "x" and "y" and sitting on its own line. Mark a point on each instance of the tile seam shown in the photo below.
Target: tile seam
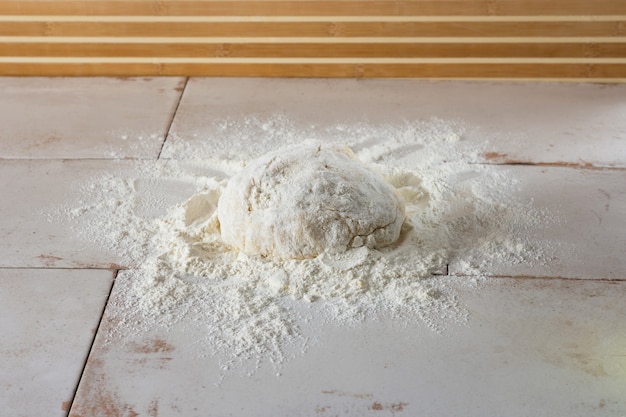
{"x": 173, "y": 117}
{"x": 93, "y": 340}
{"x": 61, "y": 268}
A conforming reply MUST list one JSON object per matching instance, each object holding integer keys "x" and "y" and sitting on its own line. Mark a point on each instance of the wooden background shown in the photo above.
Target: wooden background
{"x": 496, "y": 39}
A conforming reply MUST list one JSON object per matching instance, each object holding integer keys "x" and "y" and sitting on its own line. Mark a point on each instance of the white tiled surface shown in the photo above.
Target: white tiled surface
{"x": 38, "y": 230}
{"x": 47, "y": 320}
{"x": 533, "y": 346}
{"x": 540, "y": 123}
{"x": 41, "y": 233}
{"x": 586, "y": 236}
{"x": 85, "y": 117}
{"x": 588, "y": 207}
{"x": 32, "y": 239}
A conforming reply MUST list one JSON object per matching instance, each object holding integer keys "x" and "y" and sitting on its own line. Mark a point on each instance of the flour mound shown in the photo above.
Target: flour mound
{"x": 300, "y": 202}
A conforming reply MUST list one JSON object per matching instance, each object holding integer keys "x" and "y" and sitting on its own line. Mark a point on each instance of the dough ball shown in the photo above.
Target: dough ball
{"x": 302, "y": 201}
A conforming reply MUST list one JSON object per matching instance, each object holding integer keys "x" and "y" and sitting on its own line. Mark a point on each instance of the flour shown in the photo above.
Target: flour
{"x": 247, "y": 310}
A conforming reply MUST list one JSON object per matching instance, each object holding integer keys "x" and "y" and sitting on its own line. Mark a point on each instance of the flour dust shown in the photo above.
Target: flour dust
{"x": 160, "y": 218}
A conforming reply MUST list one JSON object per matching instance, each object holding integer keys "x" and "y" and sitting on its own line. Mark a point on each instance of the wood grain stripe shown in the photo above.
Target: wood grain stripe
{"x": 572, "y": 72}
{"x": 288, "y": 40}
{"x": 264, "y": 18}
{"x": 317, "y": 50}
{"x": 314, "y": 8}
{"x": 315, "y": 29}
{"x": 310, "y": 61}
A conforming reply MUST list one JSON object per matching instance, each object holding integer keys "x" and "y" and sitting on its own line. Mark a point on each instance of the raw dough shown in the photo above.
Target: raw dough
{"x": 302, "y": 201}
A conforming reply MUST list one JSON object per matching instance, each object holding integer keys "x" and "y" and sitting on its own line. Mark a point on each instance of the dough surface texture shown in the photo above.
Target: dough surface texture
{"x": 299, "y": 202}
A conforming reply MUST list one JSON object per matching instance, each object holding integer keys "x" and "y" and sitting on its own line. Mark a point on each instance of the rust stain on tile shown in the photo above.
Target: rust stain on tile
{"x": 322, "y": 409}
{"x": 376, "y": 406}
{"x": 97, "y": 265}
{"x": 155, "y": 353}
{"x": 181, "y": 86}
{"x": 95, "y": 362}
{"x": 346, "y": 394}
{"x": 158, "y": 363}
{"x": 49, "y": 260}
{"x": 153, "y": 346}
{"x": 65, "y": 406}
{"x": 398, "y": 406}
{"x": 494, "y": 155}
{"x": 579, "y": 164}
{"x": 103, "y": 402}
{"x": 392, "y": 407}
{"x": 499, "y": 158}
{"x": 50, "y": 140}
{"x": 153, "y": 411}
{"x": 24, "y": 351}
{"x": 587, "y": 363}
{"x": 95, "y": 397}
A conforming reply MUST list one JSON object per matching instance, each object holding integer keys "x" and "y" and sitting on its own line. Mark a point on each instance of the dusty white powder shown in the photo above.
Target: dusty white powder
{"x": 249, "y": 309}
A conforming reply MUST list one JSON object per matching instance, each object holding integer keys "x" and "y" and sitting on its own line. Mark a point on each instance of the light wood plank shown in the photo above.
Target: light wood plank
{"x": 313, "y": 7}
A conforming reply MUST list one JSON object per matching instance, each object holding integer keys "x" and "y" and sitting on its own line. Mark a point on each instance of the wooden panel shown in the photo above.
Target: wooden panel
{"x": 315, "y": 29}
{"x": 314, "y": 8}
{"x": 566, "y": 39}
{"x": 560, "y": 71}
{"x": 318, "y": 50}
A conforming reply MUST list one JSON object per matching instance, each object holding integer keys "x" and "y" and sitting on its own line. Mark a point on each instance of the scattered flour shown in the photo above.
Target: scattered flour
{"x": 247, "y": 309}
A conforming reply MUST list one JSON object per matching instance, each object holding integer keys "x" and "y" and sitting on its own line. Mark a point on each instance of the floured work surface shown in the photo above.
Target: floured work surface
{"x": 358, "y": 332}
